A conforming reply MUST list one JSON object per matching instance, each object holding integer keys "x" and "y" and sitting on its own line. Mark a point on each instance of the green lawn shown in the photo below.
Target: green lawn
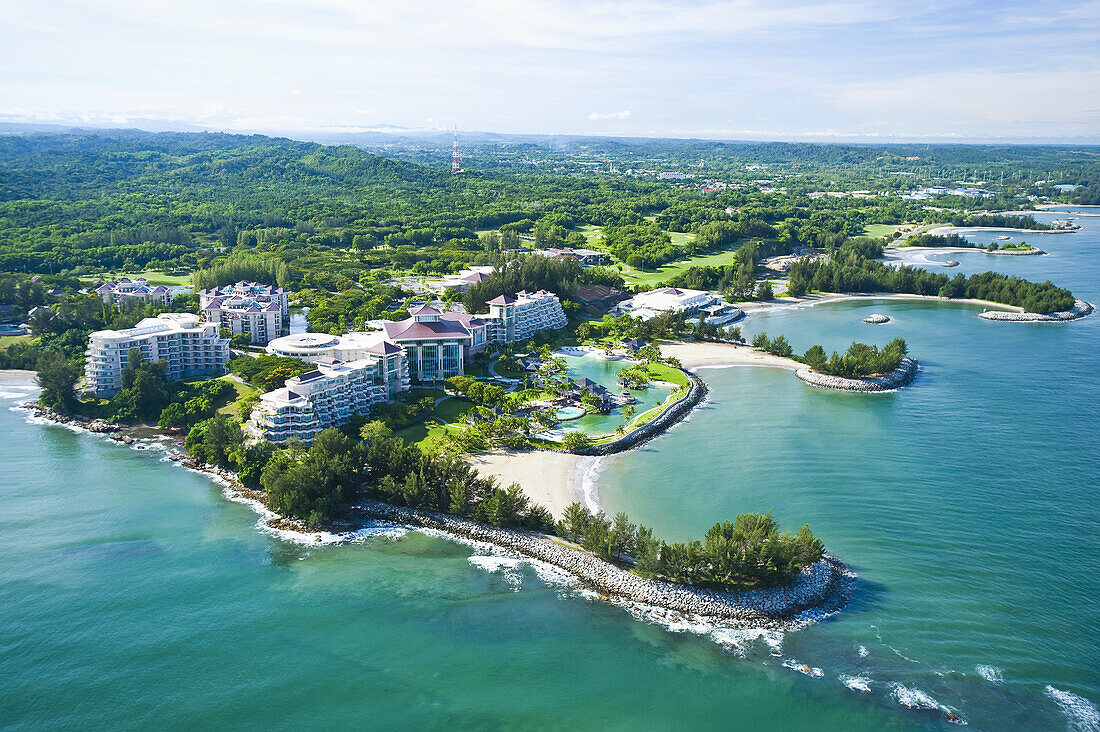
{"x": 878, "y": 230}
{"x": 635, "y": 277}
{"x": 593, "y": 234}
{"x": 155, "y": 277}
{"x": 243, "y": 390}
{"x": 663, "y": 372}
{"x": 449, "y": 410}
{"x": 11, "y": 340}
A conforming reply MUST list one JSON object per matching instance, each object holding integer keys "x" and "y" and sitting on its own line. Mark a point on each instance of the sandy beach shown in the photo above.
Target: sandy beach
{"x": 14, "y": 380}
{"x": 548, "y": 478}
{"x": 694, "y": 355}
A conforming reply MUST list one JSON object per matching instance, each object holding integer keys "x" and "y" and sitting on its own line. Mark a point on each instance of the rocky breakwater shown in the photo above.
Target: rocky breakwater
{"x": 1079, "y": 310}
{"x": 72, "y": 420}
{"x": 899, "y": 377}
{"x": 823, "y": 587}
{"x": 697, "y": 392}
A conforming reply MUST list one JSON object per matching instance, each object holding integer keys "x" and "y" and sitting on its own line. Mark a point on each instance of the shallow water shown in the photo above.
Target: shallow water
{"x": 133, "y": 595}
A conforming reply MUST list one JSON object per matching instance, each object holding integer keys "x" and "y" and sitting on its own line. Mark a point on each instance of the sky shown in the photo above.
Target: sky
{"x": 833, "y": 70}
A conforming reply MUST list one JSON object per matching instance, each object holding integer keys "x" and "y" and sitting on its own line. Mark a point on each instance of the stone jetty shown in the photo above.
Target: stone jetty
{"x": 1079, "y": 310}
{"x": 824, "y": 586}
{"x": 897, "y": 378}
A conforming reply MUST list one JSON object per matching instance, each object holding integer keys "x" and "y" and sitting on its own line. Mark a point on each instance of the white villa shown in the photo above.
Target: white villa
{"x": 190, "y": 348}
{"x": 330, "y": 395}
{"x": 646, "y": 305}
{"x": 126, "y": 291}
{"x": 261, "y": 311}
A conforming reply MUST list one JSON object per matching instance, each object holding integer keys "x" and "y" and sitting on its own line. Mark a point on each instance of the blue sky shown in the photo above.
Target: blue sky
{"x": 747, "y": 69}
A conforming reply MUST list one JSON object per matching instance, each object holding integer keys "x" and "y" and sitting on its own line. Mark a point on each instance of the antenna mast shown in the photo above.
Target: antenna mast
{"x": 455, "y": 167}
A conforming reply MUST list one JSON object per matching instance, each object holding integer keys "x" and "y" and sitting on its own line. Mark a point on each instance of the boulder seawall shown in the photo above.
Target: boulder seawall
{"x": 825, "y": 586}
{"x": 1079, "y": 310}
{"x": 902, "y": 375}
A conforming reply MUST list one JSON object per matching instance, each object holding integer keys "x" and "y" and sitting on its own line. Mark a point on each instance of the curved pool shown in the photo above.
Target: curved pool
{"x": 567, "y": 413}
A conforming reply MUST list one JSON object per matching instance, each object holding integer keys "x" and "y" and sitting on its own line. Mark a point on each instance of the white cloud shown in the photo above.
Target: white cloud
{"x": 621, "y": 114}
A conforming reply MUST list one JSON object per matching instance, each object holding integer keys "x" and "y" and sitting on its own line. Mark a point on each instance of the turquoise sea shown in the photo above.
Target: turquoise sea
{"x": 132, "y": 595}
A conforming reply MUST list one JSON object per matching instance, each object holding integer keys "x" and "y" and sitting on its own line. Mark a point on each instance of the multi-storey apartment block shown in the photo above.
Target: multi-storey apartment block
{"x": 126, "y": 291}
{"x": 188, "y": 347}
{"x": 329, "y": 395}
{"x": 260, "y": 311}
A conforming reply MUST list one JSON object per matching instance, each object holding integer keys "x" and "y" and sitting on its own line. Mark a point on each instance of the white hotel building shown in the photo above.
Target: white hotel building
{"x": 357, "y": 370}
{"x": 260, "y": 311}
{"x": 190, "y": 349}
{"x": 329, "y": 395}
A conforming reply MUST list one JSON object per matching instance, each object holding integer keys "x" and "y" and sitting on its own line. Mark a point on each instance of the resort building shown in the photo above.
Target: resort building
{"x": 587, "y": 257}
{"x": 436, "y": 346}
{"x": 312, "y": 347}
{"x": 520, "y": 317}
{"x": 126, "y": 291}
{"x": 260, "y": 311}
{"x": 329, "y": 395}
{"x": 190, "y": 348}
{"x": 647, "y": 305}
{"x": 466, "y": 278}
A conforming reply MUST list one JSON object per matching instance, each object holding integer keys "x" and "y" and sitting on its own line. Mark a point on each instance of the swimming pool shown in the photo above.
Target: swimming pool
{"x": 567, "y": 413}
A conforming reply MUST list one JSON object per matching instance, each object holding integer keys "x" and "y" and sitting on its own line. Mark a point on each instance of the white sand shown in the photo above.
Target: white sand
{"x": 548, "y": 478}
{"x": 693, "y": 355}
{"x": 18, "y": 379}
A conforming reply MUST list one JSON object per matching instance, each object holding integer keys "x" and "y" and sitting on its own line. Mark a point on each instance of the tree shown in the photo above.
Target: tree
{"x": 576, "y": 440}
{"x": 58, "y": 378}
{"x": 764, "y": 291}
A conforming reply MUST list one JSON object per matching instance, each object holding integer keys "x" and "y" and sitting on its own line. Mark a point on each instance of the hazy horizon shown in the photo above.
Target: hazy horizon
{"x": 844, "y": 71}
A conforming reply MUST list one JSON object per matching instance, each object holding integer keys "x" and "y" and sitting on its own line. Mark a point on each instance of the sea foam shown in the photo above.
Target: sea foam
{"x": 1082, "y": 714}
{"x": 991, "y": 674}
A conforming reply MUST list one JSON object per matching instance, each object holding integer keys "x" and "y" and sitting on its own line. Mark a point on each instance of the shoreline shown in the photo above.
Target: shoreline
{"x": 819, "y": 591}
{"x": 824, "y": 297}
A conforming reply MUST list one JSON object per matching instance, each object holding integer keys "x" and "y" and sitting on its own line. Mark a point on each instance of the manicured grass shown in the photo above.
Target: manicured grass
{"x": 639, "y": 277}
{"x": 663, "y": 372}
{"x": 11, "y": 340}
{"x": 878, "y": 230}
{"x": 449, "y": 410}
{"x": 155, "y": 277}
{"x": 593, "y": 233}
{"x": 243, "y": 390}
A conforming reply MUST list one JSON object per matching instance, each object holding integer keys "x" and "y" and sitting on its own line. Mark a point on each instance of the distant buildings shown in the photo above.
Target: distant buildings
{"x": 587, "y": 257}
{"x": 329, "y": 395}
{"x": 465, "y": 279}
{"x": 125, "y": 291}
{"x": 188, "y": 347}
{"x": 260, "y": 311}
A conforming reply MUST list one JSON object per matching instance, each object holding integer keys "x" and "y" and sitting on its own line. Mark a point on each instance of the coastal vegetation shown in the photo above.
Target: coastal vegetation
{"x": 859, "y": 361}
{"x": 748, "y": 553}
{"x": 850, "y": 270}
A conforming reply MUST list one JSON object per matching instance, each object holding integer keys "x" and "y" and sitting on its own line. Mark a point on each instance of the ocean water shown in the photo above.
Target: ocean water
{"x": 133, "y": 595}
